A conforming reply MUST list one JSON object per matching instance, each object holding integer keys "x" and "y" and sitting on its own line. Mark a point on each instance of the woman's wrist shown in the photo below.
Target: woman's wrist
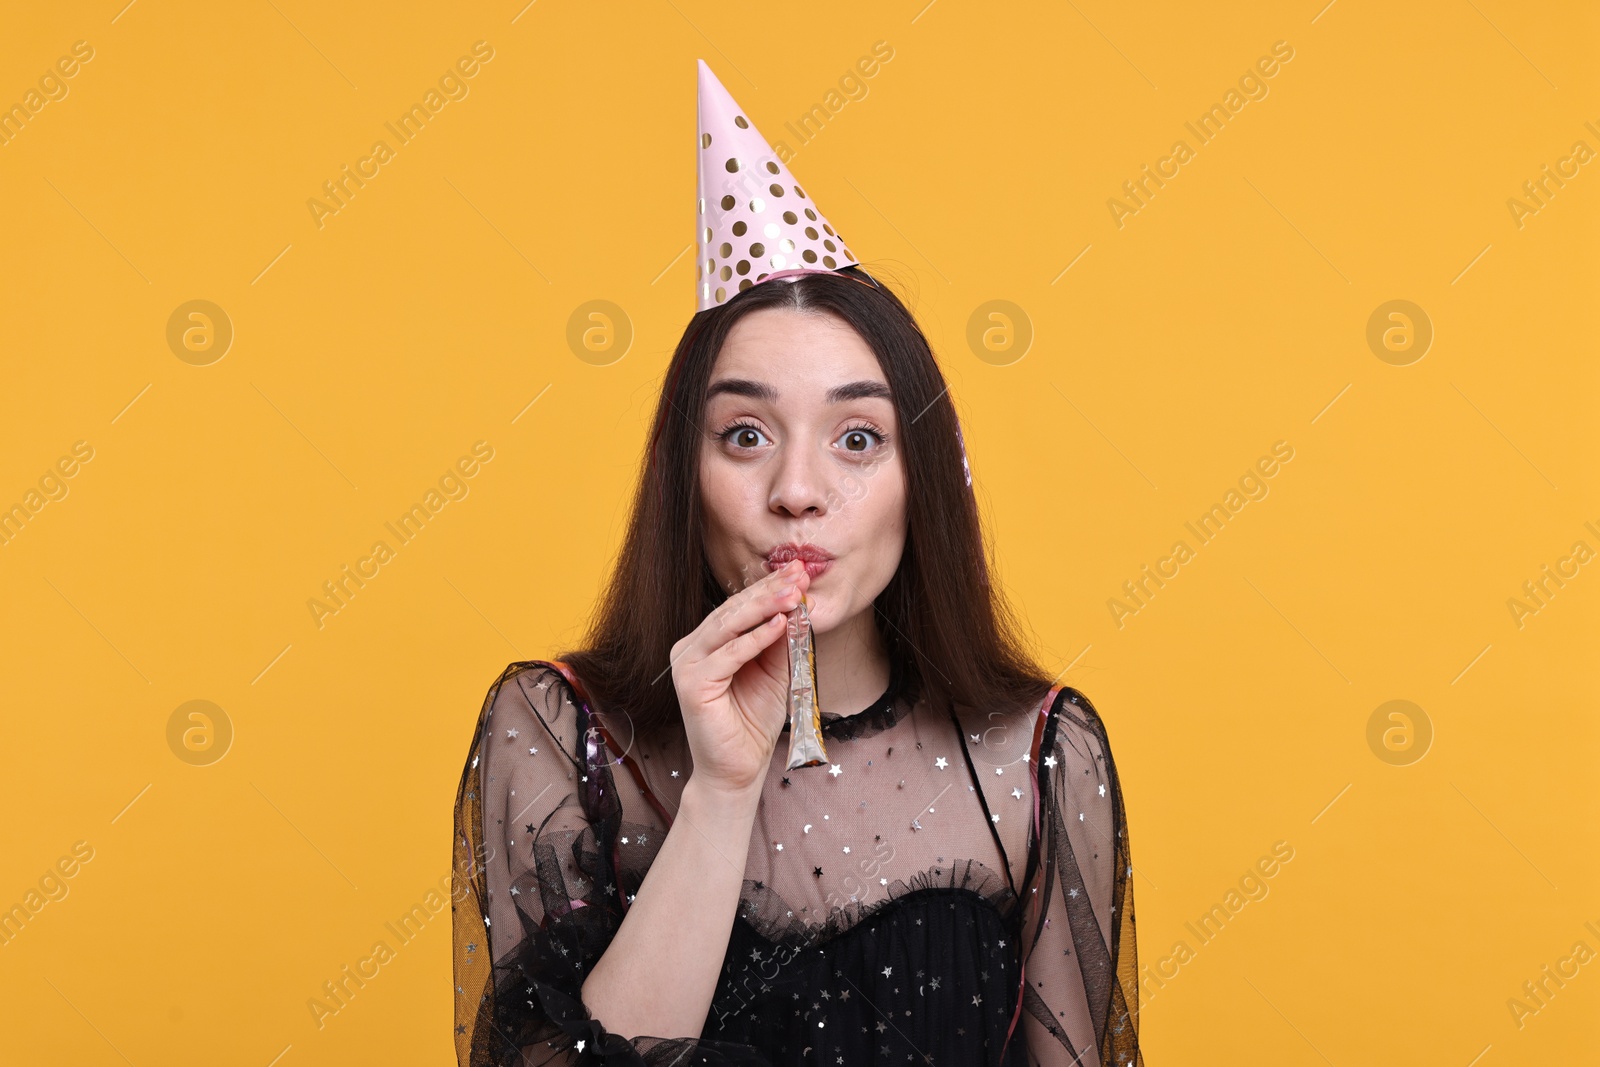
{"x": 716, "y": 798}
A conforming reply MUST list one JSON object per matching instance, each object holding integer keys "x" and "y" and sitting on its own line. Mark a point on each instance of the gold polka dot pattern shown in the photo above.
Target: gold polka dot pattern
{"x": 744, "y": 221}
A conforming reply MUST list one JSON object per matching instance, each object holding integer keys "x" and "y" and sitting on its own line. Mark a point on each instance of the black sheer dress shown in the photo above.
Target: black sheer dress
{"x": 934, "y": 895}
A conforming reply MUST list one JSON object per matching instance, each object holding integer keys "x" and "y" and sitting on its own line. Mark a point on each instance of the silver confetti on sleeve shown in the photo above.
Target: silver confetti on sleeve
{"x": 805, "y": 717}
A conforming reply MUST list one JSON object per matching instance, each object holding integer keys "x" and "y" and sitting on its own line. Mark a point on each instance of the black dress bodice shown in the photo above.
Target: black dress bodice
{"x": 931, "y": 976}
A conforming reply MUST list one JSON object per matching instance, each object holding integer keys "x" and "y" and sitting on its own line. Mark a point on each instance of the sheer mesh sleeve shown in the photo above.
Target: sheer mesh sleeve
{"x": 540, "y": 889}
{"x": 1081, "y": 969}
{"x": 536, "y": 901}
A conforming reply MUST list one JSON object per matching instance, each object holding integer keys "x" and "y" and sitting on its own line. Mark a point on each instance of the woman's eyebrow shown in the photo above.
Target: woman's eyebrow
{"x": 762, "y": 391}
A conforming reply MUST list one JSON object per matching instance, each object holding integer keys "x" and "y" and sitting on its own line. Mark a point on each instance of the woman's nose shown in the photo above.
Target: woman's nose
{"x": 800, "y": 480}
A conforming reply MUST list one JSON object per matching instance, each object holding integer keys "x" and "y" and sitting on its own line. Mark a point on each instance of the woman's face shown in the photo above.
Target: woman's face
{"x": 800, "y": 451}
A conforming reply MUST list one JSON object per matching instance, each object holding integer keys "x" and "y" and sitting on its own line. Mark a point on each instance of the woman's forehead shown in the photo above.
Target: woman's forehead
{"x": 803, "y": 350}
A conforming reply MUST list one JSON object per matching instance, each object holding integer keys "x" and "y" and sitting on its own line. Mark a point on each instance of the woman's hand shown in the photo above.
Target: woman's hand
{"x": 732, "y": 678}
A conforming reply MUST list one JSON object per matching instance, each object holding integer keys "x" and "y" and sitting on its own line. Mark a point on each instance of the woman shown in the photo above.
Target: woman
{"x": 644, "y": 880}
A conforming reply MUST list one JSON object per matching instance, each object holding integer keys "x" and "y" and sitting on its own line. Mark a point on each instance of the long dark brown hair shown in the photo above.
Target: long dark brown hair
{"x": 950, "y": 633}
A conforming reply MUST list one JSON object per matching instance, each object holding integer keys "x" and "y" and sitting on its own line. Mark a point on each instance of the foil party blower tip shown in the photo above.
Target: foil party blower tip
{"x": 805, "y": 717}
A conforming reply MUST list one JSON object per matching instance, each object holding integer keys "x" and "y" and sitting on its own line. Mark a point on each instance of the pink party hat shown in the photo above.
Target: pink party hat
{"x": 755, "y": 221}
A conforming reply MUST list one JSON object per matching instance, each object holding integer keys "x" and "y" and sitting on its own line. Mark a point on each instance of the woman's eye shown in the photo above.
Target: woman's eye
{"x": 743, "y": 435}
{"x": 860, "y": 439}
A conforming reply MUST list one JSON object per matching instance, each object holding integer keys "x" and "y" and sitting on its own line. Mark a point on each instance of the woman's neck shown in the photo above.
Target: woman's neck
{"x": 852, "y": 665}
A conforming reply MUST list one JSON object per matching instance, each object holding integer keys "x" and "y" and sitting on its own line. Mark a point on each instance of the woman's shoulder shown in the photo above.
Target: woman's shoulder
{"x": 1057, "y": 715}
{"x": 1076, "y": 750}
{"x": 1073, "y": 717}
{"x": 530, "y": 694}
{"x": 544, "y": 676}
{"x": 542, "y": 669}
{"x": 548, "y": 695}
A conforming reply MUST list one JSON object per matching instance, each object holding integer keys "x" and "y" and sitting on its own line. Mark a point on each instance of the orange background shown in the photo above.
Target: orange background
{"x": 1167, "y": 354}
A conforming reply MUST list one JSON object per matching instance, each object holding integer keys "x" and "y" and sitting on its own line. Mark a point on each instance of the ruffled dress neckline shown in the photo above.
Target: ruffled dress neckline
{"x": 876, "y": 717}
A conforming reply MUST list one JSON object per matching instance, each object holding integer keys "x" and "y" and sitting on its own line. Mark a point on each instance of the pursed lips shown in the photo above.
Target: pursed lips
{"x": 816, "y": 561}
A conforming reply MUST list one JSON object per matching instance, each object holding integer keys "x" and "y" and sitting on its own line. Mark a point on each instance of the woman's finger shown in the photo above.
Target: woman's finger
{"x": 744, "y": 609}
{"x": 726, "y": 661}
{"x": 723, "y": 662}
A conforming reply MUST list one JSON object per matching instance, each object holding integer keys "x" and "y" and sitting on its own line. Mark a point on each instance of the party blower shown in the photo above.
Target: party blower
{"x": 805, "y": 717}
